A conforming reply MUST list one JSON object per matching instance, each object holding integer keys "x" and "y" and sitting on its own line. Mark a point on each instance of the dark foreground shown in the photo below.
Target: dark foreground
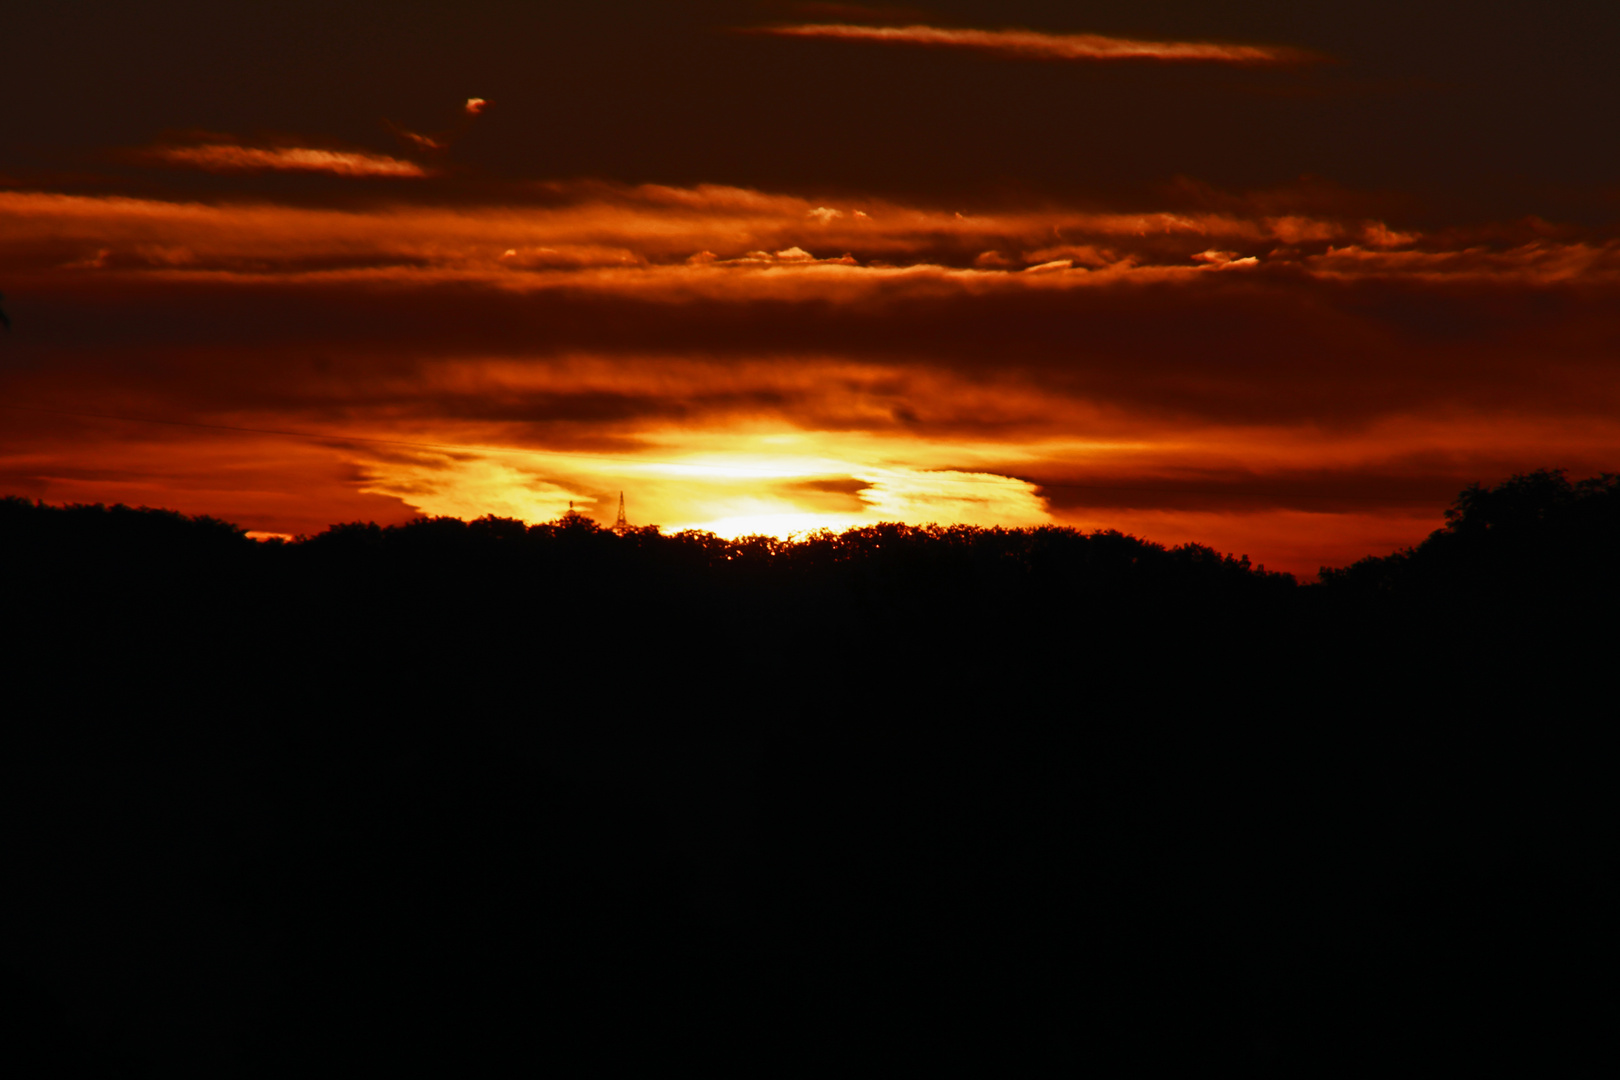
{"x": 463, "y": 797}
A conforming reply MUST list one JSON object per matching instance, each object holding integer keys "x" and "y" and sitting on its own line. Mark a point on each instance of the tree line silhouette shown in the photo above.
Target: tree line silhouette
{"x": 456, "y": 793}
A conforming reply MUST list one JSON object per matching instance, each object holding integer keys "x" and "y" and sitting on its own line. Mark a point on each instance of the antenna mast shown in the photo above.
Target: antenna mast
{"x": 621, "y": 525}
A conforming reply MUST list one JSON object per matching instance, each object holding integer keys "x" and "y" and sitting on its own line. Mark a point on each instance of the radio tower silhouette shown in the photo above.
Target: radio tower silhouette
{"x": 621, "y": 526}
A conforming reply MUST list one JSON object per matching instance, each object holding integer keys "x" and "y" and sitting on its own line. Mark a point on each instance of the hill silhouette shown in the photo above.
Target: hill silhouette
{"x": 454, "y": 794}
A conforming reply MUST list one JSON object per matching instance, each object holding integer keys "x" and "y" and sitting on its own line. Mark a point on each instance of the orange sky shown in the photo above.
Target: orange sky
{"x": 289, "y": 331}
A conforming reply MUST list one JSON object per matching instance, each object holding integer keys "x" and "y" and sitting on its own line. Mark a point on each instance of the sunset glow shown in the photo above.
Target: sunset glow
{"x": 1020, "y": 538}
{"x": 1300, "y": 364}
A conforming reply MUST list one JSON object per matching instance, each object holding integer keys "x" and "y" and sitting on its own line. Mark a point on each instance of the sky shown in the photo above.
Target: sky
{"x": 1280, "y": 278}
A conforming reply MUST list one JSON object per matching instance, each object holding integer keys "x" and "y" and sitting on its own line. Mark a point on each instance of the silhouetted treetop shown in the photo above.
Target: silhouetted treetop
{"x": 1536, "y": 502}
{"x": 117, "y": 530}
{"x": 492, "y": 575}
{"x": 1535, "y": 534}
{"x": 450, "y": 787}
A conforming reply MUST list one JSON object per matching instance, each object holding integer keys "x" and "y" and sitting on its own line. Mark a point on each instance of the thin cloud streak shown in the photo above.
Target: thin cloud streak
{"x": 1034, "y": 45}
{"x": 228, "y": 157}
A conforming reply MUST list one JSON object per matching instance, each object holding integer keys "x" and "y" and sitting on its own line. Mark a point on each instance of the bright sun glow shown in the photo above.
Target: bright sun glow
{"x": 772, "y": 483}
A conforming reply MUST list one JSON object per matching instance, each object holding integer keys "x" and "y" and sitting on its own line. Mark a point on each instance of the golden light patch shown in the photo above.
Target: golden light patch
{"x": 469, "y": 486}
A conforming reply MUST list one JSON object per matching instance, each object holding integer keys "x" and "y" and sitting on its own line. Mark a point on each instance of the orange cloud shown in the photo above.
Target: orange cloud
{"x": 416, "y": 140}
{"x": 1033, "y": 45}
{"x": 1301, "y": 389}
{"x": 227, "y": 157}
{"x": 654, "y": 227}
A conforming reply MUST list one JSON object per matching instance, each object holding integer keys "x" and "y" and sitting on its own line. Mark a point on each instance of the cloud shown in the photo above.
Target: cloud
{"x": 662, "y": 225}
{"x": 227, "y": 157}
{"x": 1034, "y": 45}
{"x": 475, "y": 106}
{"x": 712, "y": 352}
{"x": 955, "y": 498}
{"x": 418, "y": 142}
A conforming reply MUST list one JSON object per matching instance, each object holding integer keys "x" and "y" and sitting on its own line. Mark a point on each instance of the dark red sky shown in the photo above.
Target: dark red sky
{"x": 1279, "y": 277}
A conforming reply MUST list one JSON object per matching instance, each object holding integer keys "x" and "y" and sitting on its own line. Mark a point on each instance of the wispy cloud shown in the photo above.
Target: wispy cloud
{"x": 735, "y": 248}
{"x": 1034, "y": 45}
{"x": 228, "y": 157}
{"x": 1305, "y": 388}
{"x": 416, "y": 140}
{"x": 734, "y": 242}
